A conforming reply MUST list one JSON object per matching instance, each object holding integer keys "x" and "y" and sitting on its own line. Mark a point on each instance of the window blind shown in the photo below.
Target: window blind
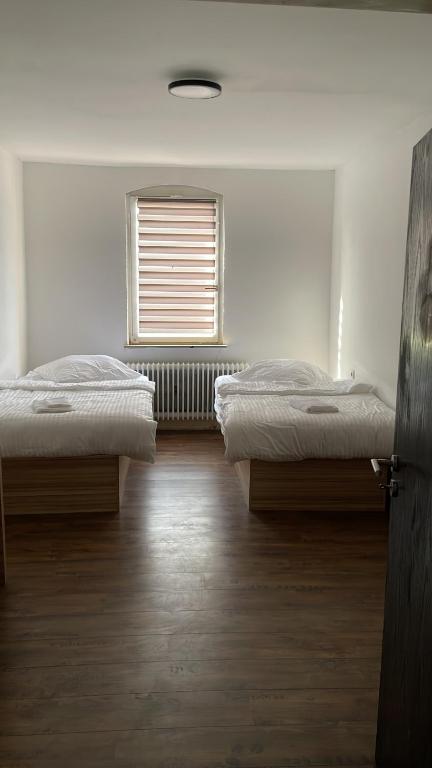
{"x": 177, "y": 269}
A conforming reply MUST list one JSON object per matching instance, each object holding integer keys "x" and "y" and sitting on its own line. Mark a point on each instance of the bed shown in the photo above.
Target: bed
{"x": 293, "y": 460}
{"x": 76, "y": 460}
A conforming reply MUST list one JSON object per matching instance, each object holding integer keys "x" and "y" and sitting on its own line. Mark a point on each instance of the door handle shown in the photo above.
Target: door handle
{"x": 377, "y": 465}
{"x": 391, "y": 465}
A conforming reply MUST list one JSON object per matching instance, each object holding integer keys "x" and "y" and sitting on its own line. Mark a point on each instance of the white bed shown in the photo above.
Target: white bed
{"x": 108, "y": 417}
{"x": 267, "y": 427}
{"x": 75, "y": 460}
{"x": 265, "y": 435}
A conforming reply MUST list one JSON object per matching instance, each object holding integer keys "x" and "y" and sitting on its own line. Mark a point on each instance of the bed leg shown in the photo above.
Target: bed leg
{"x": 124, "y": 463}
{"x": 242, "y": 469}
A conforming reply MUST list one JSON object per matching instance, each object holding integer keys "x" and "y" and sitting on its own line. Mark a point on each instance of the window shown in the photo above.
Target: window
{"x": 175, "y": 267}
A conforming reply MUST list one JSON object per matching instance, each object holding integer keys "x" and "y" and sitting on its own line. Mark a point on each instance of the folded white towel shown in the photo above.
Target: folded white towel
{"x": 313, "y": 405}
{"x": 51, "y": 405}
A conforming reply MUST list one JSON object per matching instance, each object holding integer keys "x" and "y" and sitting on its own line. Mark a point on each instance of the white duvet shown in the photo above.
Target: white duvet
{"x": 259, "y": 422}
{"x": 108, "y": 417}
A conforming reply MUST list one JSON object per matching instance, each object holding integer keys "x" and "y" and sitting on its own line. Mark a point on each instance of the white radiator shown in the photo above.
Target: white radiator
{"x": 185, "y": 391}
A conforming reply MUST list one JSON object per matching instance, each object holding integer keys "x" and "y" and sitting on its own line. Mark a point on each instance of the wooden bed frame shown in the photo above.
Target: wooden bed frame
{"x": 314, "y": 485}
{"x": 63, "y": 484}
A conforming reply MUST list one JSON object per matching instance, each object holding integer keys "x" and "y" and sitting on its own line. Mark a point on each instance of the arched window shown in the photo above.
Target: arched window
{"x": 175, "y": 266}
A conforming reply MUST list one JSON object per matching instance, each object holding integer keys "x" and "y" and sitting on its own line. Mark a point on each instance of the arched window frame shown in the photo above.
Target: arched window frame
{"x": 181, "y": 194}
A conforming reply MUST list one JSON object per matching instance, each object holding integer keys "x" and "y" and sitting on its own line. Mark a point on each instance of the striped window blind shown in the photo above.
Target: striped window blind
{"x": 177, "y": 270}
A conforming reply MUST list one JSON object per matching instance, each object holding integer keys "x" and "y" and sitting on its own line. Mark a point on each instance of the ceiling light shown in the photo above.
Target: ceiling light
{"x": 195, "y": 89}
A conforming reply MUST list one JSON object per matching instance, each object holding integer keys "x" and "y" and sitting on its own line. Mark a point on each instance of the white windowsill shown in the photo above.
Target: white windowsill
{"x": 176, "y": 346}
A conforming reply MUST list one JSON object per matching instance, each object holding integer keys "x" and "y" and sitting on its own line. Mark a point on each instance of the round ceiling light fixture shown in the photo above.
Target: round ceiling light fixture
{"x": 193, "y": 88}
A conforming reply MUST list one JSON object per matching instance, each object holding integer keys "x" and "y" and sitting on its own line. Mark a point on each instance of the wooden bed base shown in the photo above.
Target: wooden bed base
{"x": 314, "y": 485}
{"x": 63, "y": 484}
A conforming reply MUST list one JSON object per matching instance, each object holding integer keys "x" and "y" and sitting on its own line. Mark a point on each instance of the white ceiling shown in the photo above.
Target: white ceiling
{"x": 86, "y": 81}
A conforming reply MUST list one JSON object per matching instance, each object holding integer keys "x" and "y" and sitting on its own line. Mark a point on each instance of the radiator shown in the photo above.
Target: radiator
{"x": 185, "y": 391}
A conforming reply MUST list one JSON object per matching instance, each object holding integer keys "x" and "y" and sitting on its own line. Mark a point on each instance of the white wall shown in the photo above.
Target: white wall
{"x": 370, "y": 227}
{"x": 12, "y": 289}
{"x": 277, "y": 260}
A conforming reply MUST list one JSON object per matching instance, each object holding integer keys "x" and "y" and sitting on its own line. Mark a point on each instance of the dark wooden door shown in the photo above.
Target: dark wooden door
{"x": 405, "y": 711}
{"x": 2, "y": 535}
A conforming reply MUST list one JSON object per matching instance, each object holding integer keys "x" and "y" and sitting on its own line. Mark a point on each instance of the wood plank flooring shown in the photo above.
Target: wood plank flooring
{"x": 188, "y": 633}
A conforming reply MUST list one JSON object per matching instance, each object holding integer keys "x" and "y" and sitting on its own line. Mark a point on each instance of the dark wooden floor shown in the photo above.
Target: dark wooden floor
{"x": 188, "y": 633}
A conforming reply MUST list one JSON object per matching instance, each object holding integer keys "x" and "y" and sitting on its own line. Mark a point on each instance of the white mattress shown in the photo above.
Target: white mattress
{"x": 264, "y": 426}
{"x": 108, "y": 417}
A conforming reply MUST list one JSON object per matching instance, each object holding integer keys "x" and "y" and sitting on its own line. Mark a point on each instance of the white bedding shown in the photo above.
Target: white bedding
{"x": 108, "y": 417}
{"x": 234, "y": 385}
{"x": 263, "y": 425}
